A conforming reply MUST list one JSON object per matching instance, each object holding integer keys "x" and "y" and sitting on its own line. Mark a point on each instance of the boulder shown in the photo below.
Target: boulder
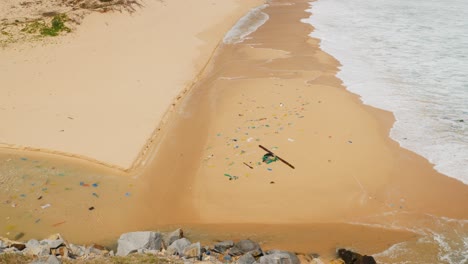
{"x": 97, "y": 250}
{"x": 178, "y": 246}
{"x": 47, "y": 260}
{"x": 77, "y": 251}
{"x": 169, "y": 238}
{"x": 221, "y": 247}
{"x": 18, "y": 246}
{"x": 245, "y": 246}
{"x": 131, "y": 242}
{"x": 54, "y": 241}
{"x": 193, "y": 251}
{"x": 53, "y": 260}
{"x": 350, "y": 257}
{"x": 246, "y": 259}
{"x": 34, "y": 248}
{"x": 292, "y": 256}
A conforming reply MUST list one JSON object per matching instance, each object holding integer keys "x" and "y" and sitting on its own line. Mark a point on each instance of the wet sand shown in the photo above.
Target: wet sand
{"x": 352, "y": 185}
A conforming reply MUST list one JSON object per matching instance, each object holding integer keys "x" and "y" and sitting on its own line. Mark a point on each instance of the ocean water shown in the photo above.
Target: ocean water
{"x": 411, "y": 58}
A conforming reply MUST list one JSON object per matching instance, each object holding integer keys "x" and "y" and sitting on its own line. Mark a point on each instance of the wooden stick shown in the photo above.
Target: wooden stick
{"x": 248, "y": 165}
{"x": 285, "y": 162}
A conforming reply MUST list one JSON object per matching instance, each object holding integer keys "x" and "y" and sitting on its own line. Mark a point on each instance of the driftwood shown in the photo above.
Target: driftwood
{"x": 274, "y": 155}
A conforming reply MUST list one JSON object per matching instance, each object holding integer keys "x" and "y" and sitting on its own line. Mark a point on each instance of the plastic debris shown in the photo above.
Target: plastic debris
{"x": 45, "y": 206}
{"x": 59, "y": 223}
{"x": 231, "y": 177}
{"x": 269, "y": 158}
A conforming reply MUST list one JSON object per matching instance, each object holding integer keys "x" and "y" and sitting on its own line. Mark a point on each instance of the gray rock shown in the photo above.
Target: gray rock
{"x": 32, "y": 243}
{"x": 97, "y": 250}
{"x": 33, "y": 247}
{"x": 245, "y": 246}
{"x": 53, "y": 260}
{"x": 193, "y": 251}
{"x": 246, "y": 259}
{"x": 53, "y": 243}
{"x": 169, "y": 238}
{"x": 178, "y": 246}
{"x": 221, "y": 247}
{"x": 279, "y": 257}
{"x": 77, "y": 251}
{"x": 131, "y": 242}
{"x": 47, "y": 260}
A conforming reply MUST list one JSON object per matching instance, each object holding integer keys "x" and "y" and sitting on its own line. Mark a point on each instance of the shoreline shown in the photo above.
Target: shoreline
{"x": 180, "y": 172}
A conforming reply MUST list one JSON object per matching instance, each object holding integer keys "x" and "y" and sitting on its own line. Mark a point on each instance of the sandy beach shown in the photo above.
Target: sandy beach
{"x": 351, "y": 185}
{"x": 101, "y": 92}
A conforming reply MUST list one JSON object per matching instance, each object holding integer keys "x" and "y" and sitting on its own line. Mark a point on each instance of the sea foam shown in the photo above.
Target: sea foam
{"x": 246, "y": 25}
{"x": 411, "y": 58}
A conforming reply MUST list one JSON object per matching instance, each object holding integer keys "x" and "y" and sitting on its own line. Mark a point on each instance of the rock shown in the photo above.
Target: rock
{"x": 245, "y": 246}
{"x": 131, "y": 242}
{"x": 337, "y": 261}
{"x": 279, "y": 256}
{"x": 54, "y": 241}
{"x": 18, "y": 246}
{"x": 178, "y": 246}
{"x": 34, "y": 248}
{"x": 32, "y": 243}
{"x": 53, "y": 260}
{"x": 77, "y": 251}
{"x": 60, "y": 251}
{"x": 292, "y": 256}
{"x": 97, "y": 250}
{"x": 169, "y": 238}
{"x": 48, "y": 260}
{"x": 220, "y": 247}
{"x": 193, "y": 251}
{"x": 350, "y": 257}
{"x": 246, "y": 259}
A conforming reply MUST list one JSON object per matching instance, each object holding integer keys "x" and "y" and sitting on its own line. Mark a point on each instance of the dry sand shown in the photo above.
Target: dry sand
{"x": 100, "y": 93}
{"x": 278, "y": 89}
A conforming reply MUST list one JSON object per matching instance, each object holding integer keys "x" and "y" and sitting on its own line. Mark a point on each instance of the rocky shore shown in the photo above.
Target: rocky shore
{"x": 155, "y": 247}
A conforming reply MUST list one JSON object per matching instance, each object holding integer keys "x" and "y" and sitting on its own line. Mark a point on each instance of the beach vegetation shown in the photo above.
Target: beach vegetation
{"x": 56, "y": 26}
{"x": 12, "y": 258}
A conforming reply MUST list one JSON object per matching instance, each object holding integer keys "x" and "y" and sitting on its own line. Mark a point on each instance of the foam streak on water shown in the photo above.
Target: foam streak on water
{"x": 411, "y": 58}
{"x": 246, "y": 25}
